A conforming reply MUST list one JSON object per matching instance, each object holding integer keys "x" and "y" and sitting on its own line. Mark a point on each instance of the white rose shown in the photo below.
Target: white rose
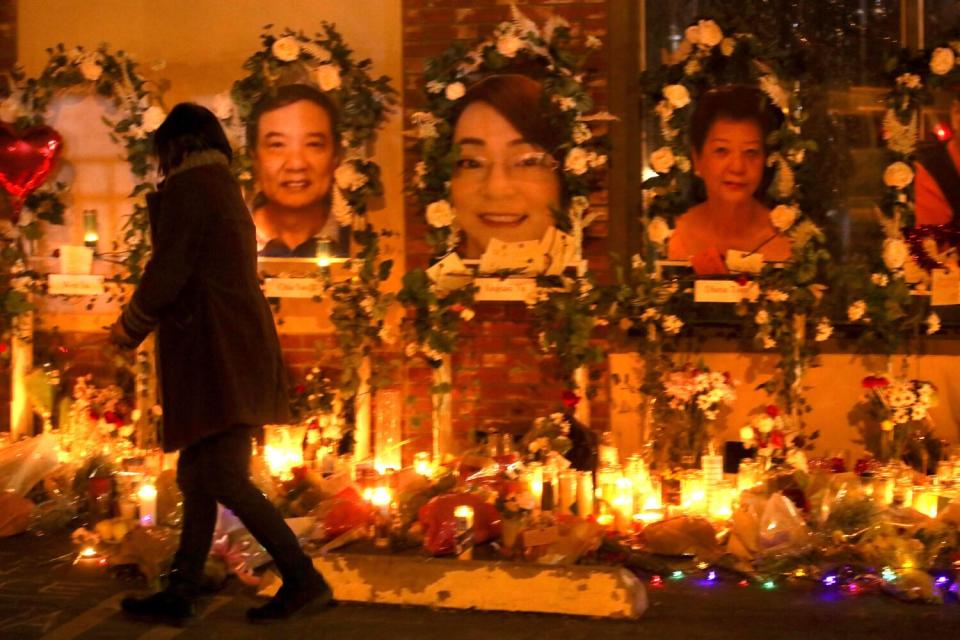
{"x": 894, "y": 253}
{"x": 824, "y": 330}
{"x": 348, "y": 178}
{"x": 467, "y": 314}
{"x": 856, "y": 310}
{"x": 581, "y": 133}
{"x": 764, "y": 424}
{"x": 153, "y": 118}
{"x": 710, "y": 33}
{"x": 692, "y": 67}
{"x": 91, "y": 69}
{"x": 783, "y": 216}
{"x": 933, "y": 324}
{"x": 728, "y": 46}
{"x": 439, "y": 214}
{"x": 746, "y": 434}
{"x": 286, "y": 49}
{"x": 879, "y": 279}
{"x": 898, "y": 175}
{"x": 909, "y": 80}
{"x": 942, "y": 60}
{"x": 222, "y": 106}
{"x": 677, "y": 95}
{"x": 593, "y": 42}
{"x": 577, "y": 161}
{"x": 662, "y": 160}
{"x": 683, "y": 163}
{"x": 455, "y": 91}
{"x": 762, "y": 317}
{"x": 672, "y": 324}
{"x": 658, "y": 230}
{"x": 509, "y": 44}
{"x": 328, "y": 77}
{"x": 692, "y": 34}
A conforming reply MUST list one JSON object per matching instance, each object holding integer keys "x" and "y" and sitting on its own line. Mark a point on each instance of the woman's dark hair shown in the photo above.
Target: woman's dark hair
{"x": 732, "y": 102}
{"x": 519, "y": 99}
{"x": 286, "y": 95}
{"x": 187, "y": 129}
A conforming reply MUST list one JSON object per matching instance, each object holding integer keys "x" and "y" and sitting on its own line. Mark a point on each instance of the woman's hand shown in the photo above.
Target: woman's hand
{"x": 120, "y": 338}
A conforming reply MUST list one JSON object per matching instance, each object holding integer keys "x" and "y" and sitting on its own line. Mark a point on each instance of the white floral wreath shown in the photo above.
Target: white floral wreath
{"x": 912, "y": 87}
{"x": 514, "y": 42}
{"x": 327, "y": 63}
{"x": 112, "y": 75}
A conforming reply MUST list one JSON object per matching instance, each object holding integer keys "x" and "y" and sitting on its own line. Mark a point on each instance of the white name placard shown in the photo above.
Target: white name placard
{"x": 63, "y": 284}
{"x": 506, "y": 289}
{"x": 723, "y": 291}
{"x": 291, "y": 288}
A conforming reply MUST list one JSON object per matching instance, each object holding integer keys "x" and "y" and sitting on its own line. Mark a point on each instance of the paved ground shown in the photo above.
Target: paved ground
{"x": 43, "y": 597}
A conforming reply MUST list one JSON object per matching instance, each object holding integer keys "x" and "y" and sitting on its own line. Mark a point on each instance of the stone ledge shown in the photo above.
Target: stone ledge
{"x": 608, "y": 592}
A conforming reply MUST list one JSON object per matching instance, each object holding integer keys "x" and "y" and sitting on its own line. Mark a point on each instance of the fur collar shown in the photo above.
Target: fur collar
{"x": 199, "y": 159}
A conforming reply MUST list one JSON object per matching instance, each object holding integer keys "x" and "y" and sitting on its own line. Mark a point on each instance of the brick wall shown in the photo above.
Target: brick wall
{"x": 499, "y": 379}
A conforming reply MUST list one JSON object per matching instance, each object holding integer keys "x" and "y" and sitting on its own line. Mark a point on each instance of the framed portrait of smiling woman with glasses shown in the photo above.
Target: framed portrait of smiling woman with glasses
{"x": 294, "y": 143}
{"x": 506, "y": 186}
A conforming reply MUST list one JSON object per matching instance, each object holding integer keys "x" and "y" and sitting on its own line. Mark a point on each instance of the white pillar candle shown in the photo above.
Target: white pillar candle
{"x": 585, "y": 494}
{"x": 148, "y": 505}
{"x": 567, "y": 491}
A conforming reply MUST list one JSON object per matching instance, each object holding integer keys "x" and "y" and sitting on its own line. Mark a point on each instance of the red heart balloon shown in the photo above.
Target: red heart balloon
{"x": 26, "y": 159}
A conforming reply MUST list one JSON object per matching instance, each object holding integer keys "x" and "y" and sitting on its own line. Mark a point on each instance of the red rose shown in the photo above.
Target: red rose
{"x": 742, "y": 280}
{"x": 457, "y": 308}
{"x": 111, "y": 417}
{"x": 777, "y": 440}
{"x": 3, "y": 347}
{"x": 875, "y": 382}
{"x": 772, "y": 410}
{"x": 299, "y": 389}
{"x": 93, "y": 415}
{"x": 570, "y": 399}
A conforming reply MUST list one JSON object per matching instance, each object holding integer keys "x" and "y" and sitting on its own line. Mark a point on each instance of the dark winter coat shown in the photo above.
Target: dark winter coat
{"x": 219, "y": 358}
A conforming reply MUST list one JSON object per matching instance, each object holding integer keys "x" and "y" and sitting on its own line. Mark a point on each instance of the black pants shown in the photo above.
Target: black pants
{"x": 217, "y": 469}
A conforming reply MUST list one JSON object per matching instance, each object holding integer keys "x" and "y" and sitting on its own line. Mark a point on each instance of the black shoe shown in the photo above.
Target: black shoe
{"x": 167, "y": 607}
{"x": 312, "y": 597}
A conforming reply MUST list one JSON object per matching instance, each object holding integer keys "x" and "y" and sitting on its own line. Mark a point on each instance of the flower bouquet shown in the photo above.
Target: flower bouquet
{"x": 901, "y": 406}
{"x": 775, "y": 442}
{"x": 694, "y": 397}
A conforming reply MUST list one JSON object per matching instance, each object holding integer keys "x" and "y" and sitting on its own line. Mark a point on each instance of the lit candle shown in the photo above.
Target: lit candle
{"x": 323, "y": 252}
{"x": 692, "y": 492}
{"x": 380, "y": 497}
{"x": 623, "y": 504}
{"x": 585, "y": 494}
{"x": 534, "y": 479}
{"x": 91, "y": 234}
{"x": 567, "y": 491}
{"x": 422, "y": 464}
{"x": 747, "y": 475}
{"x": 463, "y": 516}
{"x": 148, "y": 505}
{"x": 927, "y": 502}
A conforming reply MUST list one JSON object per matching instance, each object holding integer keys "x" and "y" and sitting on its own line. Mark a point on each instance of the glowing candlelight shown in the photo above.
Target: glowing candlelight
{"x": 422, "y": 464}
{"x": 148, "y": 505}
{"x": 585, "y": 494}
